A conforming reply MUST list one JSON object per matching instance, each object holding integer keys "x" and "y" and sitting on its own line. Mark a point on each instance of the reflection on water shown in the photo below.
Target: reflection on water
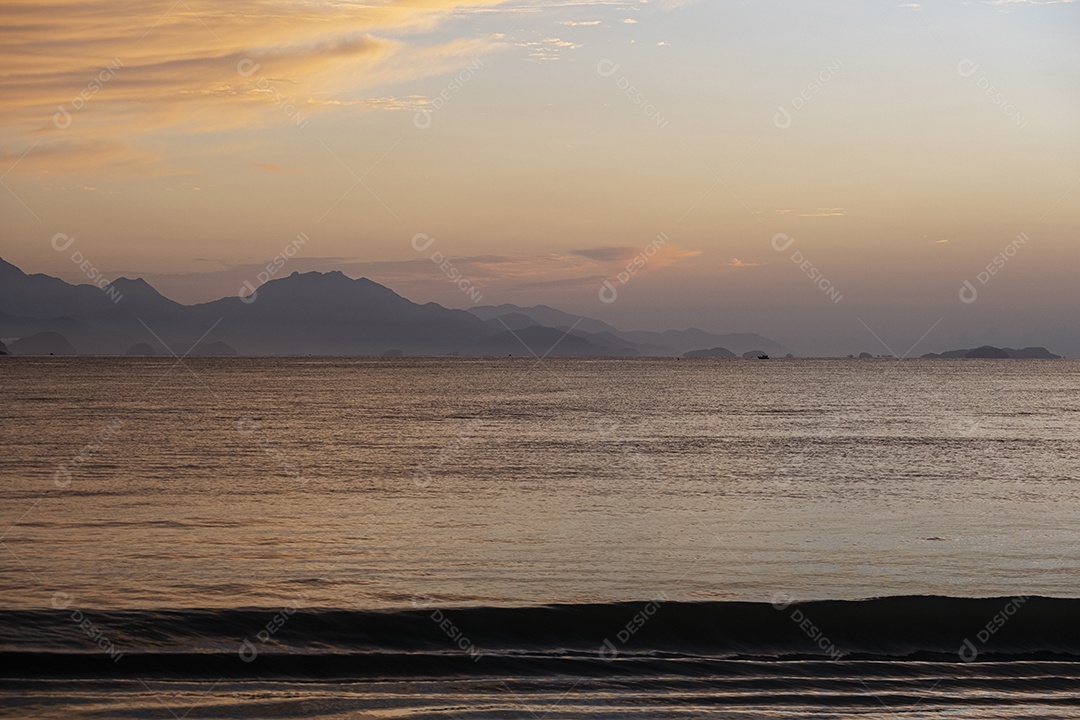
{"x": 134, "y": 488}
{"x": 362, "y": 483}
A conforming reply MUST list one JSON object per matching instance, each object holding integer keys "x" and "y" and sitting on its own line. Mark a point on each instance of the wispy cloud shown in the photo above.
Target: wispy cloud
{"x": 607, "y": 254}
{"x": 548, "y": 48}
{"x": 94, "y": 80}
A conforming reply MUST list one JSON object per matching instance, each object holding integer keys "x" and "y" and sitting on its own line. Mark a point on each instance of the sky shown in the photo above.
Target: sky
{"x": 841, "y": 177}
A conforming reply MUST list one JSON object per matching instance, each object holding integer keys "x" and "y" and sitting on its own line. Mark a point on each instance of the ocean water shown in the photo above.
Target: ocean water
{"x": 511, "y": 538}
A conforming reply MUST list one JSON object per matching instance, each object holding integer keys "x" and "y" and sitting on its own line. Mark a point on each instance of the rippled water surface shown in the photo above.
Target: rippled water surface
{"x": 149, "y": 485}
{"x": 236, "y": 482}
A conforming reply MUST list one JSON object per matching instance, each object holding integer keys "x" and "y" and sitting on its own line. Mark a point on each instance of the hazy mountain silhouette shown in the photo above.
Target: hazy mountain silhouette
{"x": 511, "y": 321}
{"x": 543, "y": 315}
{"x": 604, "y": 343}
{"x": 309, "y": 313}
{"x": 42, "y": 343}
{"x": 43, "y": 296}
{"x": 332, "y": 314}
{"x": 669, "y": 342}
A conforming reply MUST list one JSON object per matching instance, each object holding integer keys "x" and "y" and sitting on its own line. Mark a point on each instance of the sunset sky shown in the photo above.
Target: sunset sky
{"x": 899, "y": 147}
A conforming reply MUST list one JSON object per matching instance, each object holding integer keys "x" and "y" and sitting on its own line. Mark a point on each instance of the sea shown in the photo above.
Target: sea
{"x": 555, "y": 538}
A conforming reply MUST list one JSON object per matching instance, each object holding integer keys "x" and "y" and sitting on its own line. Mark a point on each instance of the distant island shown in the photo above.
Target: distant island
{"x": 991, "y": 352}
{"x": 710, "y": 353}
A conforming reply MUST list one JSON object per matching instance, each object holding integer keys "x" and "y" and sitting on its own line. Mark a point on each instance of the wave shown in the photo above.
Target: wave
{"x": 655, "y": 638}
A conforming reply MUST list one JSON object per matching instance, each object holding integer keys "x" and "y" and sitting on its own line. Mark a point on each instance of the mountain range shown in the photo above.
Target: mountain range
{"x": 313, "y": 314}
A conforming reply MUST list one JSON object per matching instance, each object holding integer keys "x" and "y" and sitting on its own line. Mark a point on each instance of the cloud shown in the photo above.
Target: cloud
{"x": 559, "y": 42}
{"x": 121, "y": 74}
{"x": 607, "y": 254}
{"x": 548, "y": 48}
{"x": 629, "y": 21}
{"x": 655, "y": 256}
{"x": 409, "y": 102}
{"x": 581, "y": 23}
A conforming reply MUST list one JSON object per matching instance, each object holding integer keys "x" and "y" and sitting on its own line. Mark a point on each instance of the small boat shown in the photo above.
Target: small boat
{"x": 762, "y": 357}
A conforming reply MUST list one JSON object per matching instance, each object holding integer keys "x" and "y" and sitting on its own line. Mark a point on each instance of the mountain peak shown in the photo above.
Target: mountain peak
{"x": 316, "y": 276}
{"x": 7, "y": 268}
{"x": 126, "y": 283}
{"x": 141, "y": 293}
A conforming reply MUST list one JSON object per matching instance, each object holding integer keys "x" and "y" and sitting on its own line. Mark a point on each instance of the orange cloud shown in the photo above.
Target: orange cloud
{"x": 93, "y": 80}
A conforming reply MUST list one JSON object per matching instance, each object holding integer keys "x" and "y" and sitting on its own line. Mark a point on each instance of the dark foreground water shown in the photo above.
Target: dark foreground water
{"x": 506, "y": 538}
